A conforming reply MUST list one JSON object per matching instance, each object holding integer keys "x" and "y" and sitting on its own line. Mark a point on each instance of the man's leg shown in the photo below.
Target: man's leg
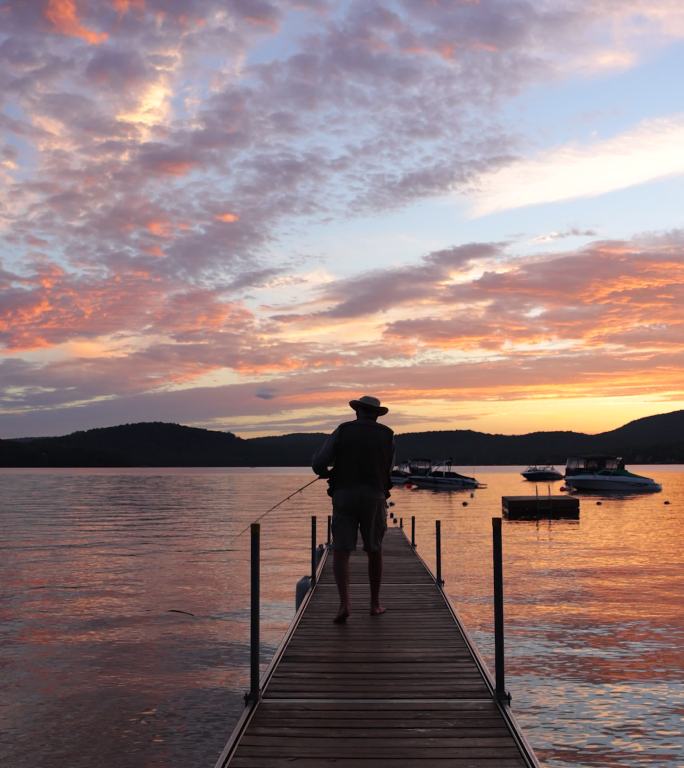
{"x": 341, "y": 571}
{"x": 375, "y": 579}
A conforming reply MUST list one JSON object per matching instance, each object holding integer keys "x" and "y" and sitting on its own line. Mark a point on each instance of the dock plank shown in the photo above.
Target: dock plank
{"x": 401, "y": 690}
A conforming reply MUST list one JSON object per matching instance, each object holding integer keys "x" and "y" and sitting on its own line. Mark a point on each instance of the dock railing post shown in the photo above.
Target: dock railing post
{"x": 438, "y": 552}
{"x": 329, "y": 537}
{"x": 254, "y": 642}
{"x": 313, "y": 551}
{"x": 413, "y": 531}
{"x": 500, "y": 681}
{"x": 401, "y": 523}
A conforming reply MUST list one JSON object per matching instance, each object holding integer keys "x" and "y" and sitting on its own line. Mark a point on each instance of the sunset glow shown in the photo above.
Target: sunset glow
{"x": 241, "y": 215}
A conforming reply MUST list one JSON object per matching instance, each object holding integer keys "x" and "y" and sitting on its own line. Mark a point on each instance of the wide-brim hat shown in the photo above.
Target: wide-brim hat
{"x": 369, "y": 402}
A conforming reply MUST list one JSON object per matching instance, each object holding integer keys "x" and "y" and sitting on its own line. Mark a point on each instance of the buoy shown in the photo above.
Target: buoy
{"x": 390, "y": 504}
{"x": 598, "y": 503}
{"x": 666, "y": 502}
{"x": 465, "y": 503}
{"x": 303, "y": 586}
{"x": 391, "y": 515}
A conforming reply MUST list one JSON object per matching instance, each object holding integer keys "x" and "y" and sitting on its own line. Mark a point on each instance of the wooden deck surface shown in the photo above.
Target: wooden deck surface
{"x": 399, "y": 690}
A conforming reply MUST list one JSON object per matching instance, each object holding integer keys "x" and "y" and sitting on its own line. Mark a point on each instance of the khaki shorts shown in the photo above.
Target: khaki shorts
{"x": 354, "y": 510}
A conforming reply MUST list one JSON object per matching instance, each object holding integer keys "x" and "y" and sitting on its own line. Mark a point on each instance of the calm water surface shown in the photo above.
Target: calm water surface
{"x": 100, "y": 667}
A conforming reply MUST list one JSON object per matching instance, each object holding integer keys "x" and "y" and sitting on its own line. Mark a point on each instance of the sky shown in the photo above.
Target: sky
{"x": 241, "y": 214}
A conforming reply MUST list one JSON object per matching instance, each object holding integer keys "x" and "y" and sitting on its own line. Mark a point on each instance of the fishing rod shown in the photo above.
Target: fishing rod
{"x": 275, "y": 506}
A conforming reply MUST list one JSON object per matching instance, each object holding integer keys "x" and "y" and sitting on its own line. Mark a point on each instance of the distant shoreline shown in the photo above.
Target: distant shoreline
{"x": 657, "y": 439}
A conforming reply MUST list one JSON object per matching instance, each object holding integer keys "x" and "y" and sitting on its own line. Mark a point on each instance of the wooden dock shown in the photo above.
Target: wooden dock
{"x": 406, "y": 689}
{"x": 540, "y": 507}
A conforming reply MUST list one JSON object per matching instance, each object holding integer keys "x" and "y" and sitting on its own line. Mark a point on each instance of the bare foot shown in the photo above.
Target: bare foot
{"x": 377, "y": 610}
{"x": 342, "y": 616}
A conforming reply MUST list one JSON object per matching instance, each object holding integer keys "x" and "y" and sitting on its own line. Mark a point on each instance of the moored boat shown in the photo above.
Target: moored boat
{"x": 441, "y": 475}
{"x": 407, "y": 470}
{"x": 606, "y": 473}
{"x": 537, "y": 472}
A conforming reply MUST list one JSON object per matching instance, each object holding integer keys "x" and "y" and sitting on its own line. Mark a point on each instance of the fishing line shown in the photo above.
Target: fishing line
{"x": 261, "y": 517}
{"x": 275, "y": 506}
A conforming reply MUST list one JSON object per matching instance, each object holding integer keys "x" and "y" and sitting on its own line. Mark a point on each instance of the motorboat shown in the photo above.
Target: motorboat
{"x": 538, "y": 472}
{"x": 407, "y": 470}
{"x": 605, "y": 473}
{"x": 441, "y": 475}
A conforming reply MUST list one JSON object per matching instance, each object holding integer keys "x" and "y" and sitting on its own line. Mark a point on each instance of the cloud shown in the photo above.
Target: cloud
{"x": 385, "y": 289}
{"x": 49, "y": 306}
{"x": 162, "y": 157}
{"x": 281, "y": 139}
{"x": 609, "y": 296}
{"x": 117, "y": 68}
{"x": 599, "y": 321}
{"x": 62, "y": 14}
{"x": 652, "y": 150}
{"x": 572, "y": 232}
{"x": 409, "y": 388}
{"x": 227, "y": 218}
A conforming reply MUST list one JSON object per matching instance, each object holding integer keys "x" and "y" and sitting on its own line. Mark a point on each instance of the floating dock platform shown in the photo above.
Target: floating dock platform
{"x": 403, "y": 690}
{"x": 540, "y": 507}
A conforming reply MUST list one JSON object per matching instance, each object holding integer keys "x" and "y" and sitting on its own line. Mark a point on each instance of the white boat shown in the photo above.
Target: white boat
{"x": 407, "y": 470}
{"x": 537, "y": 472}
{"x": 441, "y": 475}
{"x": 605, "y": 473}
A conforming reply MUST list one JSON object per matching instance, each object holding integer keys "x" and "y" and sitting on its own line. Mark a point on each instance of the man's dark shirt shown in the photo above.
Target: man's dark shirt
{"x": 361, "y": 453}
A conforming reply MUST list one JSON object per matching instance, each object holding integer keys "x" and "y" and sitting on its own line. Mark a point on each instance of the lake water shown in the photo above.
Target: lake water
{"x": 99, "y": 667}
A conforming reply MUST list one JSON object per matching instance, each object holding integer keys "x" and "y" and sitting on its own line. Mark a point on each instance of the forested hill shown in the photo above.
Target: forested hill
{"x": 653, "y": 439}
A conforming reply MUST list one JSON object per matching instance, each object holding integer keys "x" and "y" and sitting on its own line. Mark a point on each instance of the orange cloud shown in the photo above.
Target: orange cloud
{"x": 229, "y": 218}
{"x": 447, "y": 50}
{"x": 263, "y": 21}
{"x": 62, "y": 14}
{"x": 123, "y": 6}
{"x": 280, "y": 366}
{"x": 488, "y": 47}
{"x": 159, "y": 227}
{"x": 175, "y": 167}
{"x": 186, "y": 22}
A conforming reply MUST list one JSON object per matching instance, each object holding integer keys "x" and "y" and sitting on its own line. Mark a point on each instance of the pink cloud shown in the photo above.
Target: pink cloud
{"x": 50, "y": 306}
{"x": 257, "y": 12}
{"x": 526, "y": 375}
{"x": 64, "y": 16}
{"x": 604, "y": 293}
{"x": 123, "y": 6}
{"x": 380, "y": 290}
{"x": 171, "y": 161}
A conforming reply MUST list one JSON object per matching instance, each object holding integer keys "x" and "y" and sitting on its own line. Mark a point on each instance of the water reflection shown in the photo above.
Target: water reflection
{"x": 124, "y": 610}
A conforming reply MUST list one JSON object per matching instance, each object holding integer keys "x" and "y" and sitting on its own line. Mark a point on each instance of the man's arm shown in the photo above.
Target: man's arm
{"x": 325, "y": 456}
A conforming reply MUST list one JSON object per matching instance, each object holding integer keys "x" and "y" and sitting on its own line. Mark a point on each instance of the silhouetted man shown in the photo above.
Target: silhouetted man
{"x": 360, "y": 453}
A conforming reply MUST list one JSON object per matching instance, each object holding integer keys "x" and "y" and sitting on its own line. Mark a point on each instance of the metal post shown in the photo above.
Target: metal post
{"x": 313, "y": 550}
{"x": 413, "y": 531}
{"x": 329, "y": 539}
{"x": 254, "y": 644}
{"x": 501, "y": 692}
{"x": 438, "y": 551}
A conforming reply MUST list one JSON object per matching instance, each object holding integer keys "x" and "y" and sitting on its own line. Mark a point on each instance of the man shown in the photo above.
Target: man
{"x": 361, "y": 453}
